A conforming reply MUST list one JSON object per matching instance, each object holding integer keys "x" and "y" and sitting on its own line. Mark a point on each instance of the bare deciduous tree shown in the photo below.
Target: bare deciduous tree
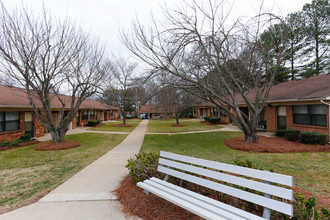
{"x": 219, "y": 60}
{"x": 121, "y": 92}
{"x": 48, "y": 58}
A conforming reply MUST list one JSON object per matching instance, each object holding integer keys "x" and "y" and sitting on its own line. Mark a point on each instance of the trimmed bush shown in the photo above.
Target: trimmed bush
{"x": 144, "y": 166}
{"x": 214, "y": 120}
{"x": 292, "y": 134}
{"x": 313, "y": 138}
{"x": 93, "y": 123}
{"x": 10, "y": 143}
{"x": 26, "y": 137}
{"x": 129, "y": 117}
{"x": 280, "y": 133}
{"x": 207, "y": 118}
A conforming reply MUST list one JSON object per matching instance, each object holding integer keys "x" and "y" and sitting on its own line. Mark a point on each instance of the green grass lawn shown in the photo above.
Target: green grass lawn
{"x": 109, "y": 126}
{"x": 310, "y": 170}
{"x": 164, "y": 126}
{"x": 26, "y": 174}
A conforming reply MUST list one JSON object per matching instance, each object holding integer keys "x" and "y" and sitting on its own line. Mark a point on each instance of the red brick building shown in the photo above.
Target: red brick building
{"x": 301, "y": 104}
{"x": 17, "y": 118}
{"x": 154, "y": 112}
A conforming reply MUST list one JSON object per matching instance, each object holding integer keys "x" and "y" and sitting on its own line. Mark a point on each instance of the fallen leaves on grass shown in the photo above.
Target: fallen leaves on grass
{"x": 178, "y": 125}
{"x": 122, "y": 125}
{"x": 48, "y": 146}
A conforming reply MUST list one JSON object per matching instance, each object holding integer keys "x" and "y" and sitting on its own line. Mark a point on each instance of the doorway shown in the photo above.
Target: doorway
{"x": 281, "y": 117}
{"x": 29, "y": 125}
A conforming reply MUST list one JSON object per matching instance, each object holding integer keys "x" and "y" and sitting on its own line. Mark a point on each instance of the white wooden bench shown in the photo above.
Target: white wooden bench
{"x": 183, "y": 167}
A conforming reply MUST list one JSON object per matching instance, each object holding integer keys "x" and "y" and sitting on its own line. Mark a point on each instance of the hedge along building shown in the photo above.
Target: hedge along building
{"x": 17, "y": 117}
{"x": 302, "y": 104}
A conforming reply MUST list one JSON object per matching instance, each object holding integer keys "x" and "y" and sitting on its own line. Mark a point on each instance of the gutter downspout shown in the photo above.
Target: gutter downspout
{"x": 322, "y": 101}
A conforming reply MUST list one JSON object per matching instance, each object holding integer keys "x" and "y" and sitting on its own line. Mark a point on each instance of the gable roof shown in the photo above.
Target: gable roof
{"x": 316, "y": 87}
{"x": 152, "y": 109}
{"x": 306, "y": 89}
{"x": 17, "y": 97}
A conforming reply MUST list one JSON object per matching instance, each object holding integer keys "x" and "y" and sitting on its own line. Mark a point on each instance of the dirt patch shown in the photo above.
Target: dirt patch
{"x": 20, "y": 145}
{"x": 48, "y": 146}
{"x": 274, "y": 145}
{"x": 178, "y": 125}
{"x": 122, "y": 125}
{"x": 136, "y": 203}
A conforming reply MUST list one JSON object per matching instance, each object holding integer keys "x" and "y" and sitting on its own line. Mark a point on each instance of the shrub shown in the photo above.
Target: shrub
{"x": 248, "y": 163}
{"x": 207, "y": 118}
{"x": 26, "y": 137}
{"x": 280, "y": 133}
{"x": 143, "y": 166}
{"x": 93, "y": 123}
{"x": 10, "y": 143}
{"x": 129, "y": 117}
{"x": 307, "y": 209}
{"x": 313, "y": 138}
{"x": 214, "y": 120}
{"x": 292, "y": 134}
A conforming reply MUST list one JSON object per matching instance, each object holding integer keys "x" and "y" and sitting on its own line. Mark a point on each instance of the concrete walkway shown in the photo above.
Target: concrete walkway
{"x": 88, "y": 194}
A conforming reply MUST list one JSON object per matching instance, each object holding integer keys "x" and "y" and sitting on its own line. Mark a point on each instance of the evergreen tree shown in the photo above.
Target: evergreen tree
{"x": 317, "y": 36}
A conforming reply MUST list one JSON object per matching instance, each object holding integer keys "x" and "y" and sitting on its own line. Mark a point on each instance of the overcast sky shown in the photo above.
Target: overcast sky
{"x": 103, "y": 18}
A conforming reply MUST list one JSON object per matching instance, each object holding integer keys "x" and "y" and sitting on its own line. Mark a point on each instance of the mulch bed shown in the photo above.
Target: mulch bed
{"x": 49, "y": 146}
{"x": 178, "y": 125}
{"x": 99, "y": 125}
{"x": 274, "y": 145}
{"x": 20, "y": 145}
{"x": 122, "y": 125}
{"x": 136, "y": 203}
{"x": 209, "y": 123}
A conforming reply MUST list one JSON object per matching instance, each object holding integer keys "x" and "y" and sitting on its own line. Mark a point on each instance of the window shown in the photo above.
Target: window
{"x": 9, "y": 121}
{"x": 310, "y": 115}
{"x": 84, "y": 115}
{"x": 91, "y": 115}
{"x": 215, "y": 112}
{"x": 96, "y": 114}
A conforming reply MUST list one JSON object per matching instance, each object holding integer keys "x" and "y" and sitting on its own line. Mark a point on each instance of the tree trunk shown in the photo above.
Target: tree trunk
{"x": 58, "y": 135}
{"x": 124, "y": 119}
{"x": 251, "y": 137}
{"x": 292, "y": 62}
{"x": 177, "y": 120}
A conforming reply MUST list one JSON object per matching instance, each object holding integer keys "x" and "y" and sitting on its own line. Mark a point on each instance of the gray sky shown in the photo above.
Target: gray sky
{"x": 103, "y": 18}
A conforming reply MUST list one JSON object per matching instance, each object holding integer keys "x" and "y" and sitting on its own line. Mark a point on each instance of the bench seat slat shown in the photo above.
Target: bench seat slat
{"x": 251, "y": 197}
{"x": 259, "y": 174}
{"x": 241, "y": 213}
{"x": 206, "y": 206}
{"x": 262, "y": 187}
{"x": 180, "y": 202}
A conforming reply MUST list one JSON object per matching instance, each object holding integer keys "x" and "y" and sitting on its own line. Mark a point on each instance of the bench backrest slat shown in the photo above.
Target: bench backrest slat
{"x": 258, "y": 186}
{"x": 251, "y": 197}
{"x": 258, "y": 174}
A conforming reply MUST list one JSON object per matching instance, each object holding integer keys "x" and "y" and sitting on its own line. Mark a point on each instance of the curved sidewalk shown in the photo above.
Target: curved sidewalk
{"x": 88, "y": 194}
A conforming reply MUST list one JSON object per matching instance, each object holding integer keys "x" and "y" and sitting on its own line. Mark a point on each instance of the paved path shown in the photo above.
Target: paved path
{"x": 88, "y": 194}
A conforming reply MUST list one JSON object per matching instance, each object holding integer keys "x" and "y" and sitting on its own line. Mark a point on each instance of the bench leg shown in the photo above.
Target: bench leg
{"x": 166, "y": 178}
{"x": 266, "y": 213}
{"x": 146, "y": 192}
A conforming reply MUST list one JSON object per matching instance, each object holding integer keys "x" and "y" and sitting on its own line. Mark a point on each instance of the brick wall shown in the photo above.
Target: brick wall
{"x": 11, "y": 135}
{"x": 39, "y": 128}
{"x": 271, "y": 118}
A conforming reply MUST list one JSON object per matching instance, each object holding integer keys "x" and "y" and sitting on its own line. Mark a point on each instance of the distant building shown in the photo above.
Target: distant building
{"x": 17, "y": 117}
